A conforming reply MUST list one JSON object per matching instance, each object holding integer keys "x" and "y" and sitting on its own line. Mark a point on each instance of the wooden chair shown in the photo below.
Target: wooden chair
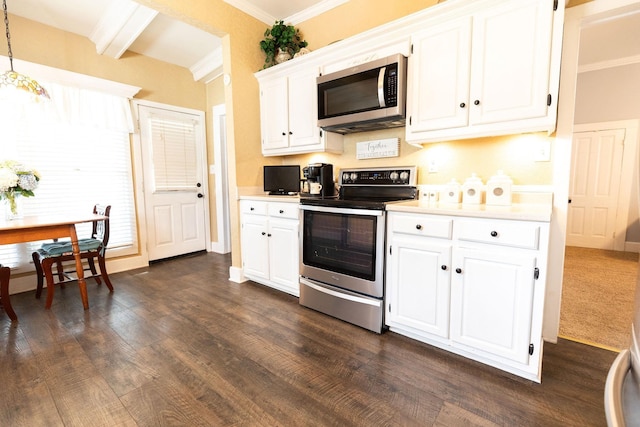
{"x": 57, "y": 253}
{"x": 5, "y": 273}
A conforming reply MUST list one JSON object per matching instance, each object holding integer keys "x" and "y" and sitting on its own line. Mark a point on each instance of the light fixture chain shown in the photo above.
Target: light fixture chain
{"x": 6, "y": 25}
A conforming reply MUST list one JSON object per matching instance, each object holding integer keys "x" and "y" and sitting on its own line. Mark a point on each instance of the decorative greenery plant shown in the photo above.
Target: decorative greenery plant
{"x": 287, "y": 38}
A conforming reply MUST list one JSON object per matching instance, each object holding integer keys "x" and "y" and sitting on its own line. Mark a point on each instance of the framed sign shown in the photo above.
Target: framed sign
{"x": 378, "y": 148}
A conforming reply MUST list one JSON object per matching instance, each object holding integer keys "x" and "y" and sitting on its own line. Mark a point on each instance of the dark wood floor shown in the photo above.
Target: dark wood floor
{"x": 178, "y": 344}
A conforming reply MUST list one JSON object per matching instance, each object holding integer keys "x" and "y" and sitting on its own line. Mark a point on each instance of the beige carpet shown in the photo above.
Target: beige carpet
{"x": 598, "y": 296}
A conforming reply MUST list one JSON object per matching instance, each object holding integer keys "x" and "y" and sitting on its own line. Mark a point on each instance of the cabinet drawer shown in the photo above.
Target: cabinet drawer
{"x": 253, "y": 207}
{"x": 517, "y": 234}
{"x": 284, "y": 210}
{"x": 422, "y": 225}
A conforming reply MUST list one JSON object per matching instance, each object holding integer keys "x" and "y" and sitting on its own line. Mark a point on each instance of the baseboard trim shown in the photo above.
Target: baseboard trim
{"x": 236, "y": 275}
{"x": 632, "y": 247}
{"x": 219, "y": 248}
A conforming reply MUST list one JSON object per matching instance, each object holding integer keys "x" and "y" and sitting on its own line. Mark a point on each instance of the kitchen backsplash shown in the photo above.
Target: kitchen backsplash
{"x": 438, "y": 163}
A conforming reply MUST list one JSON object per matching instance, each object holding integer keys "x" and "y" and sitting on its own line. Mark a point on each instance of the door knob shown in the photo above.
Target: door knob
{"x": 200, "y": 195}
{"x": 198, "y": 185}
{"x": 458, "y": 270}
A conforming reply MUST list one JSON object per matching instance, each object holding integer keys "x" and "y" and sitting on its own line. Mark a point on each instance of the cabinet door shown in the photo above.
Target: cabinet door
{"x": 491, "y": 302}
{"x": 284, "y": 249}
{"x": 418, "y": 280}
{"x": 255, "y": 246}
{"x": 303, "y": 110}
{"x": 438, "y": 86}
{"x": 510, "y": 61}
{"x": 274, "y": 114}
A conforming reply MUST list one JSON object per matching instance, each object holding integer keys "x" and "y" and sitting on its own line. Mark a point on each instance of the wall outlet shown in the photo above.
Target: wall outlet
{"x": 542, "y": 151}
{"x": 433, "y": 166}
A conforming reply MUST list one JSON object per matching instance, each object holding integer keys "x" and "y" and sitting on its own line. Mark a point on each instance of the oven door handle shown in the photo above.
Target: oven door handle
{"x": 341, "y": 295}
{"x": 346, "y": 211}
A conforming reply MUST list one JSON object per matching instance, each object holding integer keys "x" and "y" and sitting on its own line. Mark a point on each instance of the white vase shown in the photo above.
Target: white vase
{"x": 282, "y": 56}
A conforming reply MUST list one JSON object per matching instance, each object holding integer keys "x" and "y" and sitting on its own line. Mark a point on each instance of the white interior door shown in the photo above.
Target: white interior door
{"x": 596, "y": 167}
{"x": 173, "y": 157}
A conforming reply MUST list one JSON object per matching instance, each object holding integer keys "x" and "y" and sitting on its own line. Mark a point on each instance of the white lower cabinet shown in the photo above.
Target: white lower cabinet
{"x": 471, "y": 286}
{"x": 492, "y": 295}
{"x": 270, "y": 245}
{"x": 418, "y": 275}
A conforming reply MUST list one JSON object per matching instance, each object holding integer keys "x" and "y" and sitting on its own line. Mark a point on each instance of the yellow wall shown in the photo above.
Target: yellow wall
{"x": 455, "y": 159}
{"x": 354, "y": 17}
{"x": 160, "y": 82}
{"x": 243, "y": 57}
{"x": 241, "y": 34}
{"x": 514, "y": 154}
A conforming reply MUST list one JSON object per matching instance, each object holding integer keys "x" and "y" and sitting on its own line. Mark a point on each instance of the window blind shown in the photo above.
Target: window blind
{"x": 83, "y": 156}
{"x": 174, "y": 154}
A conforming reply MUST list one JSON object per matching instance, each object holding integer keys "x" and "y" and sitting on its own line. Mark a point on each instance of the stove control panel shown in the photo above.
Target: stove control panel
{"x": 400, "y": 176}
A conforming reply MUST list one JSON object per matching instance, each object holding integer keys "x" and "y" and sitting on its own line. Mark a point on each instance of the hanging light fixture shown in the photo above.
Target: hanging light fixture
{"x": 15, "y": 81}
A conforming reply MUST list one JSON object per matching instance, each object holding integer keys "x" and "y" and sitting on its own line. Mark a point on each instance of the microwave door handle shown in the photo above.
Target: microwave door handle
{"x": 383, "y": 71}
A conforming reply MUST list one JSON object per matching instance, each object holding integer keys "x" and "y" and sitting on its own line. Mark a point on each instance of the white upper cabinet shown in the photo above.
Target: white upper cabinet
{"x": 510, "y": 62}
{"x": 476, "y": 68}
{"x": 274, "y": 109}
{"x": 486, "y": 73}
{"x": 289, "y": 115}
{"x": 438, "y": 78}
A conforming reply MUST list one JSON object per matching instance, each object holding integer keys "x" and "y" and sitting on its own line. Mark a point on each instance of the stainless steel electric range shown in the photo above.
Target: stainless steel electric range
{"x": 343, "y": 241}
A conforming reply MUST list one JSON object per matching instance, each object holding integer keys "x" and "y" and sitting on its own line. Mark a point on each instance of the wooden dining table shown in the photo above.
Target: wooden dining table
{"x": 44, "y": 227}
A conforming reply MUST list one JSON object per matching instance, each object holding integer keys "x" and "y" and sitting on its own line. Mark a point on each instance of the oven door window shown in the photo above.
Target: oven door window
{"x": 343, "y": 243}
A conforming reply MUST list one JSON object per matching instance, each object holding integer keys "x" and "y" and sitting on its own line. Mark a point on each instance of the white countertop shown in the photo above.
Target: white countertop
{"x": 525, "y": 207}
{"x": 265, "y": 197}
{"x": 534, "y": 209}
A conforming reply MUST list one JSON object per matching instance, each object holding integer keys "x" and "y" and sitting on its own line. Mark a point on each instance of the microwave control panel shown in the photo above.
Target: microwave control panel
{"x": 391, "y": 86}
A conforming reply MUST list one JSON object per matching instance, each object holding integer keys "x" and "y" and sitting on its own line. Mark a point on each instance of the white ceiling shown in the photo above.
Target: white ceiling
{"x": 116, "y": 26}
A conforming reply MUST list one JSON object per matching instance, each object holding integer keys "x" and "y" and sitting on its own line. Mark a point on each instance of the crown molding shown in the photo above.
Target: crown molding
{"x": 294, "y": 19}
{"x": 209, "y": 67}
{"x": 252, "y": 10}
{"x": 313, "y": 11}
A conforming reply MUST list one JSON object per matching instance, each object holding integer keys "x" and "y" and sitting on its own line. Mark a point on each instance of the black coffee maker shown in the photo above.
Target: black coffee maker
{"x": 319, "y": 181}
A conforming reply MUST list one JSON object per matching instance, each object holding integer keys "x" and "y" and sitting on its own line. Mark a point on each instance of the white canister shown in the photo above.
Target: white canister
{"x": 472, "y": 190}
{"x": 499, "y": 190}
{"x": 451, "y": 192}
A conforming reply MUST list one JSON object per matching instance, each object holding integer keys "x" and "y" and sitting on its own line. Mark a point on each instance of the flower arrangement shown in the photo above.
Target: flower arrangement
{"x": 16, "y": 180}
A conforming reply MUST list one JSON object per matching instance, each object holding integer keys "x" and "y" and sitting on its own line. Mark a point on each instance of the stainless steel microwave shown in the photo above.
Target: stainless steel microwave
{"x": 365, "y": 97}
